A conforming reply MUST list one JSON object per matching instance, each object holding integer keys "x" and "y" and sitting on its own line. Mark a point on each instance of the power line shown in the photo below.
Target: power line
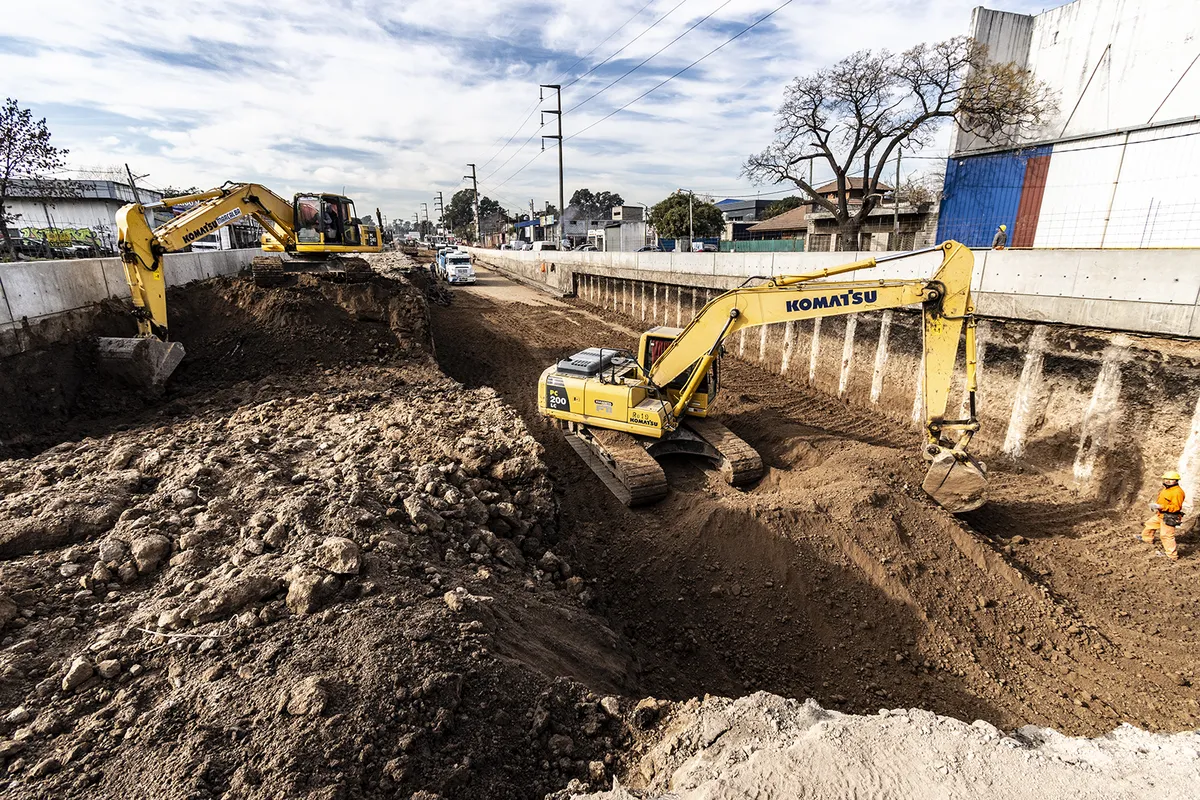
{"x": 588, "y": 54}
{"x": 701, "y": 21}
{"x": 667, "y": 80}
{"x": 624, "y": 46}
{"x": 563, "y": 74}
{"x": 522, "y": 167}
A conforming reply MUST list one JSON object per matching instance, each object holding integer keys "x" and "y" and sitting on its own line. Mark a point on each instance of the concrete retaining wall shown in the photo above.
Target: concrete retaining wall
{"x": 33, "y": 293}
{"x": 1143, "y": 291}
{"x": 1098, "y": 410}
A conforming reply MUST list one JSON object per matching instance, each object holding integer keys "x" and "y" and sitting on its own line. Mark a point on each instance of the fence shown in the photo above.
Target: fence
{"x": 763, "y": 246}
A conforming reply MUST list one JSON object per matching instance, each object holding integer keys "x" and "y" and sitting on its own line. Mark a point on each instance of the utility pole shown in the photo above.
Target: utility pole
{"x": 441, "y": 209}
{"x": 557, "y": 112}
{"x": 475, "y": 191}
{"x": 137, "y": 198}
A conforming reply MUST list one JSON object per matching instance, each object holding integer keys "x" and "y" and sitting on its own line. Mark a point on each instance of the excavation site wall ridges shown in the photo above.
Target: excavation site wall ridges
{"x": 36, "y": 292}
{"x": 1101, "y": 411}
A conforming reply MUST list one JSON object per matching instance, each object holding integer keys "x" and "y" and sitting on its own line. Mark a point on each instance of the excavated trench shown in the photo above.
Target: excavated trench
{"x": 834, "y": 577}
{"x": 469, "y": 657}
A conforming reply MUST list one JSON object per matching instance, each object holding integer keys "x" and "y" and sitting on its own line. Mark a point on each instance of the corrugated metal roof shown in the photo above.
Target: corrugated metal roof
{"x": 793, "y": 220}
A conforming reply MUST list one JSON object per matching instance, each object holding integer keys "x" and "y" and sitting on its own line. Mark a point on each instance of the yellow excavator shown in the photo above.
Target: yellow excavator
{"x": 318, "y": 231}
{"x": 623, "y": 410}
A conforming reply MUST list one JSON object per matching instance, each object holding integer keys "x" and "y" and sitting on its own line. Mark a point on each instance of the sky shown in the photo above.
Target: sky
{"x": 390, "y": 101}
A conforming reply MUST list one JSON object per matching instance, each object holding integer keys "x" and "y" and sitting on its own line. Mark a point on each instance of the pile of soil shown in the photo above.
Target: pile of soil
{"x": 232, "y": 330}
{"x": 305, "y": 580}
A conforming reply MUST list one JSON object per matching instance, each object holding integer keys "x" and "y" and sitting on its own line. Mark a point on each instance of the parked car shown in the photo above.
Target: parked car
{"x": 539, "y": 247}
{"x": 587, "y": 248}
{"x": 29, "y": 247}
{"x": 650, "y": 248}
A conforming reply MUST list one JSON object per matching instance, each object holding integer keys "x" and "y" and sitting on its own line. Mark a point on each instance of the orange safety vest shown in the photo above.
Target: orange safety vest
{"x": 1170, "y": 499}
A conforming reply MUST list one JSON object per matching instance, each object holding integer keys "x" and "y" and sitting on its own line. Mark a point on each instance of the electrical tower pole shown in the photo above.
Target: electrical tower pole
{"x": 475, "y": 191}
{"x": 441, "y": 209}
{"x": 557, "y": 112}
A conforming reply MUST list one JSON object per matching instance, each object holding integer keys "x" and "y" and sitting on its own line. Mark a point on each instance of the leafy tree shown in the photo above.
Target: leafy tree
{"x": 783, "y": 205}
{"x": 670, "y": 217}
{"x": 459, "y": 215}
{"x": 595, "y": 205}
{"x": 27, "y": 159}
{"x": 852, "y": 117}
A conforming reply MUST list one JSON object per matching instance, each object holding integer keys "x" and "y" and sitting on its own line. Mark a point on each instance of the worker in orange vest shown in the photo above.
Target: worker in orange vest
{"x": 1168, "y": 513}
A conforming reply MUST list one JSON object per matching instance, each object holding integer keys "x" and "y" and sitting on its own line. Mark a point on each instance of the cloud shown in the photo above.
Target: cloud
{"x": 393, "y": 100}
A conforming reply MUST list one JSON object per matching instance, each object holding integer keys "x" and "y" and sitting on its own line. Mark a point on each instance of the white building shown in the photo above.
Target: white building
{"x": 1117, "y": 164}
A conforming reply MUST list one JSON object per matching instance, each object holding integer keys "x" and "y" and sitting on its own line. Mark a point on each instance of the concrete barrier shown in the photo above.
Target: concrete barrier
{"x": 36, "y": 291}
{"x": 1144, "y": 291}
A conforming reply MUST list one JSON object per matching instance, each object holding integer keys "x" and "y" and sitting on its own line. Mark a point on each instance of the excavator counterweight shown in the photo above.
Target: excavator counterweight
{"x": 623, "y": 410}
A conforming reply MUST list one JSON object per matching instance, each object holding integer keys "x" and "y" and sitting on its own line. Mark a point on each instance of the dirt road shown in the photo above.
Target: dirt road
{"x": 834, "y": 577}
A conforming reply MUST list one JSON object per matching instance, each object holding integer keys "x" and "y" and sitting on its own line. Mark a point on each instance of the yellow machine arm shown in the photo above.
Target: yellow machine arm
{"x": 946, "y": 298}
{"x": 142, "y": 247}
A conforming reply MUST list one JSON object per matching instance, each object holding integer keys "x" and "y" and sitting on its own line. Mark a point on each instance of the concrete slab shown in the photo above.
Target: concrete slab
{"x": 1161, "y": 318}
{"x": 39, "y": 288}
{"x": 5, "y": 314}
{"x": 694, "y": 263}
{"x": 114, "y": 278}
{"x": 654, "y": 262}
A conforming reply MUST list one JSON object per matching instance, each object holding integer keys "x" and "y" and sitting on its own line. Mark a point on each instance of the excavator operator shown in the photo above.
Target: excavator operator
{"x": 1167, "y": 508}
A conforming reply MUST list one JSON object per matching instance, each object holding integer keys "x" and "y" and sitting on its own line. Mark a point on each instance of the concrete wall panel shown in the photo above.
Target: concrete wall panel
{"x": 39, "y": 288}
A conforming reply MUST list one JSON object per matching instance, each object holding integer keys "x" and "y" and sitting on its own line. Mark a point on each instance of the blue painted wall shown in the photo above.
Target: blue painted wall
{"x": 982, "y": 192}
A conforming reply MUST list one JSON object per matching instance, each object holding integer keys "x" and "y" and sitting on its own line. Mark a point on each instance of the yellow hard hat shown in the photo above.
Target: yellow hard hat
{"x": 1170, "y": 476}
{"x": 1003, "y": 227}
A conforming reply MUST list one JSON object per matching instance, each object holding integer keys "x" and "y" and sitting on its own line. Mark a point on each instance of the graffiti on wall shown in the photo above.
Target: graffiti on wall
{"x": 64, "y": 237}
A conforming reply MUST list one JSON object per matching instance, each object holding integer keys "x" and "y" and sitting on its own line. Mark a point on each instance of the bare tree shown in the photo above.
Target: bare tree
{"x": 852, "y": 116}
{"x": 28, "y": 161}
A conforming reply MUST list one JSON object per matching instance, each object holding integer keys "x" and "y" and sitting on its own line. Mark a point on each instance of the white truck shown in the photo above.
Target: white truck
{"x": 457, "y": 268}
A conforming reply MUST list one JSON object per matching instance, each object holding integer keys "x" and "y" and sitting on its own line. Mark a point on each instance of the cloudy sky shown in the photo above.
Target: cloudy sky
{"x": 392, "y": 100}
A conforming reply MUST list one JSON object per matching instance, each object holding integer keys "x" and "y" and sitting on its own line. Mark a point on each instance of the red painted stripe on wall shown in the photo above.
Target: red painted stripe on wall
{"x": 1030, "y": 206}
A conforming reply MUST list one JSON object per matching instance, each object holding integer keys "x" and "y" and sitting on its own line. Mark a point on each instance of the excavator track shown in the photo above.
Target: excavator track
{"x": 622, "y": 463}
{"x": 267, "y": 271}
{"x": 352, "y": 269}
{"x": 739, "y": 463}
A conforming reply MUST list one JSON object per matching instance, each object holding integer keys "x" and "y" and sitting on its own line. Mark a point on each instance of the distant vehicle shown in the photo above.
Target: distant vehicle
{"x": 521, "y": 245}
{"x": 456, "y": 268}
{"x": 587, "y": 248}
{"x": 704, "y": 247}
{"x": 650, "y": 248}
{"x": 29, "y": 247}
{"x": 539, "y": 247}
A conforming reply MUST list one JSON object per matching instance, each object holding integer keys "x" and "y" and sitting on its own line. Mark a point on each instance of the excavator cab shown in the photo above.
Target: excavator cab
{"x": 654, "y": 343}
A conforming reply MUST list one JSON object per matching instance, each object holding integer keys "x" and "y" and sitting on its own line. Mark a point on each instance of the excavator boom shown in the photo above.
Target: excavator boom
{"x": 149, "y": 359}
{"x": 655, "y": 398}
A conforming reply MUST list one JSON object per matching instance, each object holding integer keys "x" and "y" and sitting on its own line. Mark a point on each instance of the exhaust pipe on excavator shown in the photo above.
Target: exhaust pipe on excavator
{"x": 145, "y": 361}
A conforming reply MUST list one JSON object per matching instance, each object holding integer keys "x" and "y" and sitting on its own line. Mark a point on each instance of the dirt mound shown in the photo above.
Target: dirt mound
{"x": 325, "y": 583}
{"x": 233, "y": 330}
{"x": 767, "y": 747}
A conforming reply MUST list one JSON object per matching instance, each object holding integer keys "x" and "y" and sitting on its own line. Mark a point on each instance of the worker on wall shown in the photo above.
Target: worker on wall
{"x": 1000, "y": 240}
{"x": 1168, "y": 513}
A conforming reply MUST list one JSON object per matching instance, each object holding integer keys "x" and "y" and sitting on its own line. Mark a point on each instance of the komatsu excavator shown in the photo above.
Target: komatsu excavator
{"x": 622, "y": 410}
{"x": 318, "y": 231}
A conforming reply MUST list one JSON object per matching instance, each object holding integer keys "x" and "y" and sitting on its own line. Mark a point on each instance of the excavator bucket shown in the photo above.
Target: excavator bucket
{"x": 146, "y": 362}
{"x": 956, "y": 481}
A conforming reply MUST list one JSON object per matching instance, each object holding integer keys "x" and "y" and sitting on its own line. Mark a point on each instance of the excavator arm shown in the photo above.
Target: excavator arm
{"x": 946, "y": 300}
{"x": 150, "y": 358}
{"x": 142, "y": 247}
{"x": 955, "y": 479}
